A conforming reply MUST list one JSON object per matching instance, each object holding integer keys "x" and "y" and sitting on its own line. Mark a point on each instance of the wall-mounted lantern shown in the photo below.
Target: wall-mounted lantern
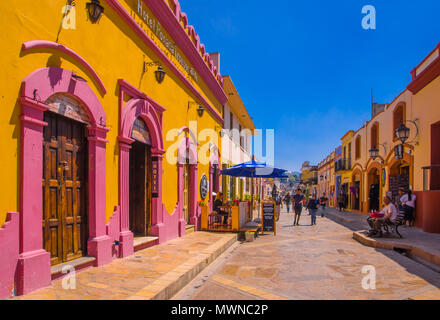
{"x": 374, "y": 152}
{"x": 402, "y": 133}
{"x": 200, "y": 111}
{"x": 94, "y": 10}
{"x": 159, "y": 73}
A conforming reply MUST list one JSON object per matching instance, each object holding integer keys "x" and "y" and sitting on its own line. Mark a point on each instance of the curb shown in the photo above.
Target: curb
{"x": 412, "y": 250}
{"x": 168, "y": 285}
{"x": 337, "y": 217}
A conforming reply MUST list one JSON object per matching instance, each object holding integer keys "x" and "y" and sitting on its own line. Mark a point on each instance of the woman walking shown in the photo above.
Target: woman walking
{"x": 312, "y": 206}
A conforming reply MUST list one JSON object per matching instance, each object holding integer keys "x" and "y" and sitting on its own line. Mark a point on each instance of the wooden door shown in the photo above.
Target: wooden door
{"x": 138, "y": 189}
{"x": 65, "y": 217}
{"x": 186, "y": 193}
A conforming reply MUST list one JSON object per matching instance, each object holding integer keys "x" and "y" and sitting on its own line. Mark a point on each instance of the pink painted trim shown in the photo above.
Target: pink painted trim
{"x": 34, "y": 263}
{"x": 9, "y": 239}
{"x": 44, "y": 44}
{"x": 144, "y": 37}
{"x": 135, "y": 108}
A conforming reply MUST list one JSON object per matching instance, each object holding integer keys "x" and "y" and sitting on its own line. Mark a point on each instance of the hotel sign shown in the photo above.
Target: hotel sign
{"x": 155, "y": 178}
{"x": 156, "y": 29}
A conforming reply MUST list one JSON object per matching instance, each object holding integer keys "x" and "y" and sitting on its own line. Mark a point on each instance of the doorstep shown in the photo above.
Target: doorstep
{"x": 142, "y": 243}
{"x": 78, "y": 264}
{"x": 190, "y": 229}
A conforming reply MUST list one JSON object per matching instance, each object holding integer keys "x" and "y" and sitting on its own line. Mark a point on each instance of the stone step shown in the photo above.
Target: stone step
{"x": 169, "y": 284}
{"x": 142, "y": 243}
{"x": 78, "y": 265}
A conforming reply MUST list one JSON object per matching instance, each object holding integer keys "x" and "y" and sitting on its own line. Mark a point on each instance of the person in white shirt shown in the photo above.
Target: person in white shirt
{"x": 390, "y": 214}
{"x": 408, "y": 201}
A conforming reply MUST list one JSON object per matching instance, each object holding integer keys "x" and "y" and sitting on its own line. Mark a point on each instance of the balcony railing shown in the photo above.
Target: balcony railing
{"x": 343, "y": 164}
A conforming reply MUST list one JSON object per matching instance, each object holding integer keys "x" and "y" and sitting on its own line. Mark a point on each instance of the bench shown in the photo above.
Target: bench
{"x": 391, "y": 227}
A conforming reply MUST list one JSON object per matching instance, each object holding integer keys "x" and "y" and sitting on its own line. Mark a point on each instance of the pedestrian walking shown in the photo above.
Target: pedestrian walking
{"x": 287, "y": 201}
{"x": 341, "y": 202}
{"x": 299, "y": 200}
{"x": 312, "y": 206}
{"x": 323, "y": 201}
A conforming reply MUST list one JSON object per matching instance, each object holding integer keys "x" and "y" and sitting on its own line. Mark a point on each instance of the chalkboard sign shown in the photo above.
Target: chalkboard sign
{"x": 269, "y": 224}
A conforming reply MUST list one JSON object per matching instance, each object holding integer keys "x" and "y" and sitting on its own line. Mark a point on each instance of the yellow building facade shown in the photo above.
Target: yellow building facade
{"x": 111, "y": 131}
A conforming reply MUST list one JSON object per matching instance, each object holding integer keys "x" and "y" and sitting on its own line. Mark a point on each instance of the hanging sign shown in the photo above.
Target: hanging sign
{"x": 268, "y": 222}
{"x": 204, "y": 187}
{"x": 155, "y": 178}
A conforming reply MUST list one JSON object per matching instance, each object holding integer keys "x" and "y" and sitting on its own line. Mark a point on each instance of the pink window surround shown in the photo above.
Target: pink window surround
{"x": 162, "y": 56}
{"x": 140, "y": 105}
{"x": 188, "y": 152}
{"x": 44, "y": 44}
{"x": 34, "y": 262}
{"x": 9, "y": 239}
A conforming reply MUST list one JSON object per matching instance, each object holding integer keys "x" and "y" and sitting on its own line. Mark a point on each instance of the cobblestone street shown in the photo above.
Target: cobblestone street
{"x": 305, "y": 262}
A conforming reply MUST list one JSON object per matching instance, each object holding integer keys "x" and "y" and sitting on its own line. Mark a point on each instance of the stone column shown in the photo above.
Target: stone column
{"x": 99, "y": 244}
{"x": 126, "y": 236}
{"x": 33, "y": 270}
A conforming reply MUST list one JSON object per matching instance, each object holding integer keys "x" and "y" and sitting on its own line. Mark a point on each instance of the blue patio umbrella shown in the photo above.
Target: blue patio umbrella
{"x": 254, "y": 169}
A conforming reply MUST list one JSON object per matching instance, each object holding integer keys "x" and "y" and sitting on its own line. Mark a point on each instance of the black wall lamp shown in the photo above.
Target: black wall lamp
{"x": 374, "y": 152}
{"x": 200, "y": 111}
{"x": 159, "y": 73}
{"x": 94, "y": 10}
{"x": 403, "y": 132}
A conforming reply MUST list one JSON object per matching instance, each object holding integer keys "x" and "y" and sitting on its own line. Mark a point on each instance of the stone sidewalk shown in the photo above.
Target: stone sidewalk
{"x": 154, "y": 273}
{"x": 419, "y": 244}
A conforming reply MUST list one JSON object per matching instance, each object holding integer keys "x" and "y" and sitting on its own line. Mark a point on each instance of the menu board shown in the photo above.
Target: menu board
{"x": 269, "y": 224}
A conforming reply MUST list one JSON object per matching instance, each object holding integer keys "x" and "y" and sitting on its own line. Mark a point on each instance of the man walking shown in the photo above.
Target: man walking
{"x": 287, "y": 200}
{"x": 323, "y": 201}
{"x": 298, "y": 203}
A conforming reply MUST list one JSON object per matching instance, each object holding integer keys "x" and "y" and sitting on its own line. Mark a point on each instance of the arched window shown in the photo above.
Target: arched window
{"x": 398, "y": 118}
{"x": 358, "y": 147}
{"x": 375, "y": 136}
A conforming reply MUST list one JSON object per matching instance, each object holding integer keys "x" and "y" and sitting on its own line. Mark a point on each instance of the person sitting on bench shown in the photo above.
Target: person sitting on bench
{"x": 217, "y": 204}
{"x": 390, "y": 214}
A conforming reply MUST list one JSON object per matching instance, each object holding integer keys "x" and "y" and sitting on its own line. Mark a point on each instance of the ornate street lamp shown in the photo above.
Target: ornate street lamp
{"x": 94, "y": 10}
{"x": 374, "y": 153}
{"x": 402, "y": 133}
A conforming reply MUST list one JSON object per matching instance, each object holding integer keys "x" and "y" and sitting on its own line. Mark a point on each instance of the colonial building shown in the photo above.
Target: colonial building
{"x": 110, "y": 133}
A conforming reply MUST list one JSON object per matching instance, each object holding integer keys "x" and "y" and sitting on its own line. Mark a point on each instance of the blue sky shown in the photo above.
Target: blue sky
{"x": 306, "y": 68}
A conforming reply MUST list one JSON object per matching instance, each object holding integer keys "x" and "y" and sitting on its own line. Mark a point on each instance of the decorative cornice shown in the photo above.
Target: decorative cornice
{"x": 44, "y": 44}
{"x": 425, "y": 77}
{"x": 218, "y": 92}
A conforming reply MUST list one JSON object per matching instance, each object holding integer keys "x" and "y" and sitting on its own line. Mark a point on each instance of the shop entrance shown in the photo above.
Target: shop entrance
{"x": 186, "y": 192}
{"x": 140, "y": 181}
{"x": 435, "y": 156}
{"x": 355, "y": 190}
{"x": 65, "y": 214}
{"x": 399, "y": 178}
{"x": 374, "y": 189}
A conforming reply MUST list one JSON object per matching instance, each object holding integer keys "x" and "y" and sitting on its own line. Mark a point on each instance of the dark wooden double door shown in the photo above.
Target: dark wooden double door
{"x": 65, "y": 214}
{"x": 140, "y": 189}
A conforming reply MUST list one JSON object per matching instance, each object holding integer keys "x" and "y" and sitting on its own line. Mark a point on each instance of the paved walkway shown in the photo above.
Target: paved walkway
{"x": 305, "y": 262}
{"x": 155, "y": 273}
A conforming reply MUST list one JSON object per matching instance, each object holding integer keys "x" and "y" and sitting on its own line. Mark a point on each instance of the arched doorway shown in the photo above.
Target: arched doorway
{"x": 65, "y": 172}
{"x": 356, "y": 190}
{"x": 374, "y": 189}
{"x": 399, "y": 177}
{"x": 140, "y": 180}
{"x": 78, "y": 131}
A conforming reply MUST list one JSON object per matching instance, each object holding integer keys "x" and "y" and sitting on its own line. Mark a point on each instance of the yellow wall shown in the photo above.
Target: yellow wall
{"x": 428, "y": 111}
{"x": 114, "y": 52}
